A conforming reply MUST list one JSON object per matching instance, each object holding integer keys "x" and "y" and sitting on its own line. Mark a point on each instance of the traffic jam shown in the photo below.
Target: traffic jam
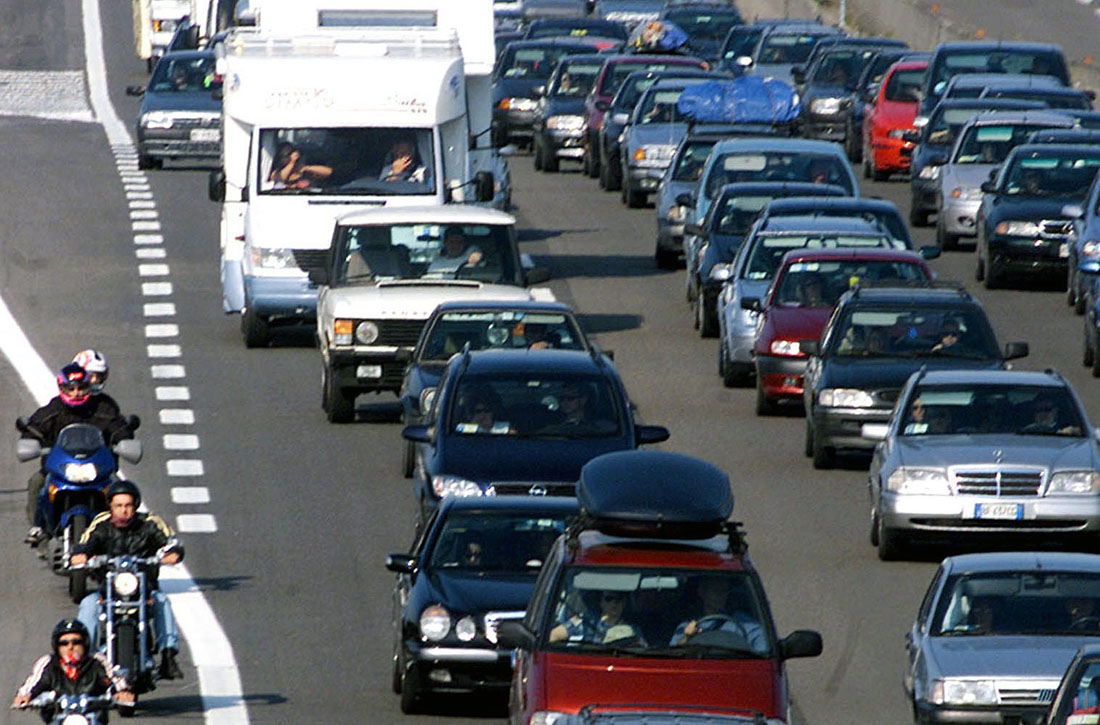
{"x": 565, "y": 562}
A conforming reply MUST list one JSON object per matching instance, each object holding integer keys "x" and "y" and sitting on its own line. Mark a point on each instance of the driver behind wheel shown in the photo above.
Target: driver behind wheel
{"x": 456, "y": 253}
{"x": 719, "y": 614}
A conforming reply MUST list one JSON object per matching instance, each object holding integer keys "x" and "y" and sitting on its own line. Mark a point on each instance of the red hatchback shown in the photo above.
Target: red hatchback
{"x": 800, "y": 301}
{"x": 885, "y": 121}
{"x": 648, "y": 603}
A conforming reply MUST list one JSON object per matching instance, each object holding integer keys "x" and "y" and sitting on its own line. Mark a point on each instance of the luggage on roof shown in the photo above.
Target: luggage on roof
{"x": 748, "y": 99}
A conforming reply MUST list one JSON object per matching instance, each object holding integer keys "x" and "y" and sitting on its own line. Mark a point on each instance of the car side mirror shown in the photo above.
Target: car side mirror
{"x": 537, "y": 275}
{"x": 800, "y": 643}
{"x": 27, "y": 449}
{"x": 602, "y": 106}
{"x": 874, "y": 431}
{"x": 1073, "y": 211}
{"x": 988, "y": 187}
{"x": 694, "y": 229}
{"x": 514, "y": 634}
{"x": 215, "y": 185}
{"x": 135, "y": 90}
{"x": 620, "y": 119}
{"x": 810, "y": 347}
{"x": 930, "y": 252}
{"x": 319, "y": 277}
{"x": 484, "y": 186}
{"x": 1016, "y": 350}
{"x": 751, "y": 303}
{"x": 920, "y": 122}
{"x": 128, "y": 450}
{"x": 416, "y": 434}
{"x": 193, "y": 37}
{"x": 648, "y": 434}
{"x": 401, "y": 563}
{"x": 911, "y": 135}
{"x": 744, "y": 61}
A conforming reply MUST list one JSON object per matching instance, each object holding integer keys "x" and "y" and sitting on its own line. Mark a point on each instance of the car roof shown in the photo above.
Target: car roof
{"x": 848, "y": 42}
{"x": 844, "y": 203}
{"x": 857, "y": 253}
{"x": 1057, "y": 149}
{"x": 189, "y": 54}
{"x": 914, "y": 64}
{"x": 1022, "y": 117}
{"x": 972, "y": 45}
{"x": 439, "y": 214}
{"x": 674, "y": 83}
{"x": 1010, "y": 104}
{"x": 1067, "y": 135}
{"x": 790, "y": 145}
{"x": 583, "y": 58}
{"x": 536, "y": 362}
{"x": 534, "y": 504}
{"x": 1037, "y": 90}
{"x": 824, "y": 225}
{"x": 1004, "y": 79}
{"x": 557, "y": 41}
{"x": 936, "y": 296}
{"x": 993, "y": 377}
{"x": 1010, "y": 561}
{"x": 493, "y": 305}
{"x": 751, "y": 187}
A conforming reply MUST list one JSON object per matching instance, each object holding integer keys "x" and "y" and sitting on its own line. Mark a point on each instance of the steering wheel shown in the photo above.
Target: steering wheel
{"x": 717, "y": 636}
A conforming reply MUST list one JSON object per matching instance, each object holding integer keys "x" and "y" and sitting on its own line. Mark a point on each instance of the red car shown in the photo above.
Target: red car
{"x": 651, "y": 598}
{"x": 800, "y": 301}
{"x": 614, "y": 72}
{"x": 888, "y": 117}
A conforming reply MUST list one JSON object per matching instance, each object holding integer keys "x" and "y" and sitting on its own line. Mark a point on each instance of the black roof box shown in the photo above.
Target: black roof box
{"x": 655, "y": 494}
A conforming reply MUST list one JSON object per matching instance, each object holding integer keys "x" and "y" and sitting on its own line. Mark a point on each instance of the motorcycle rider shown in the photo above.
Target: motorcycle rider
{"x": 68, "y": 670}
{"x": 123, "y": 530}
{"x": 76, "y": 402}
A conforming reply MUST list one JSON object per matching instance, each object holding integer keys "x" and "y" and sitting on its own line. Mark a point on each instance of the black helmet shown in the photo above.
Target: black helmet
{"x": 68, "y": 626}
{"x": 124, "y": 486}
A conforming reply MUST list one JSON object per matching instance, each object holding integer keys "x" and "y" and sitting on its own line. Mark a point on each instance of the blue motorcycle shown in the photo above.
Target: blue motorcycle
{"x": 78, "y": 470}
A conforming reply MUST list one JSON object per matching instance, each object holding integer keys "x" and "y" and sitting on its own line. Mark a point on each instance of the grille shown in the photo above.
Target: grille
{"x": 178, "y": 122}
{"x": 399, "y": 333}
{"x": 999, "y": 483}
{"x": 492, "y": 619}
{"x": 1020, "y": 695}
{"x": 308, "y": 259}
{"x": 392, "y": 375}
{"x": 1055, "y": 227}
{"x": 523, "y": 488}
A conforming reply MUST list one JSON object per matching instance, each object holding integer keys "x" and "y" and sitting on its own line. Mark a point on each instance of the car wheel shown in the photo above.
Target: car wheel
{"x": 1080, "y": 301}
{"x": 979, "y": 265}
{"x": 636, "y": 199}
{"x": 550, "y": 161}
{"x": 254, "y": 329}
{"x": 339, "y": 406}
{"x": 398, "y": 666}
{"x": 1089, "y": 355}
{"x": 665, "y": 258}
{"x": 879, "y": 175}
{"x": 614, "y": 176}
{"x": 586, "y": 163}
{"x": 149, "y": 162}
{"x": 891, "y": 544}
{"x": 602, "y": 176}
{"x": 408, "y": 462}
{"x": 1095, "y": 363}
{"x": 1071, "y": 290}
{"x": 592, "y": 165}
{"x": 824, "y": 456}
{"x": 695, "y": 316}
{"x": 917, "y": 217}
{"x": 874, "y": 528}
{"x": 708, "y": 317}
{"x": 992, "y": 275}
{"x": 866, "y": 166}
{"x": 764, "y": 406}
{"x": 536, "y": 154}
{"x": 944, "y": 239}
{"x": 808, "y": 446}
{"x": 411, "y": 699}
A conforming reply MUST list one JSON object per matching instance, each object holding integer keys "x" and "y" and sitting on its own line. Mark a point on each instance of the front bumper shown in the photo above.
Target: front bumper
{"x": 181, "y": 141}
{"x": 458, "y": 670}
{"x": 843, "y": 427}
{"x": 959, "y": 216}
{"x": 565, "y": 144}
{"x": 780, "y": 376}
{"x": 670, "y": 235}
{"x": 367, "y": 369}
{"x": 961, "y": 514}
{"x": 923, "y": 193}
{"x": 287, "y": 298}
{"x": 994, "y": 714}
{"x": 514, "y": 124}
{"x": 831, "y": 128}
{"x": 647, "y": 179}
{"x": 740, "y": 337}
{"x": 1028, "y": 254}
{"x": 892, "y": 154}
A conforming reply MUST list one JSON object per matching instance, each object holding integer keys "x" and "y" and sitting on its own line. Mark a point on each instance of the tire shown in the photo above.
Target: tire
{"x": 126, "y": 649}
{"x": 1080, "y": 301}
{"x": 410, "y": 696}
{"x": 1089, "y": 356}
{"x": 945, "y": 240}
{"x": 874, "y": 528}
{"x": 127, "y": 710}
{"x": 824, "y": 456}
{"x": 979, "y": 267}
{"x": 1071, "y": 290}
{"x": 727, "y": 369}
{"x": 395, "y": 672}
{"x": 614, "y": 177}
{"x": 764, "y": 406}
{"x": 706, "y": 318}
{"x": 408, "y": 462}
{"x": 878, "y": 175}
{"x": 665, "y": 259}
{"x": 550, "y": 163}
{"x": 536, "y": 154}
{"x": 254, "y": 329}
{"x": 592, "y": 165}
{"x": 339, "y": 407}
{"x": 891, "y": 544}
{"x": 808, "y": 446}
{"x": 866, "y": 167}
{"x": 78, "y": 580}
{"x": 149, "y": 162}
{"x": 635, "y": 199}
{"x": 917, "y": 217}
{"x": 992, "y": 275}
{"x": 602, "y": 176}
{"x": 1095, "y": 363}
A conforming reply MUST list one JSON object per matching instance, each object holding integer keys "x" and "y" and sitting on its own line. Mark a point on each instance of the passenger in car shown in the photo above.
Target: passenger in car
{"x": 610, "y": 627}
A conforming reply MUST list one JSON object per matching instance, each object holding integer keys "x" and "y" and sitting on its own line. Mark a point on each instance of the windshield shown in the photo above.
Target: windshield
{"x": 692, "y": 159}
{"x": 504, "y": 329}
{"x": 532, "y": 62}
{"x": 945, "y": 124}
{"x": 429, "y": 251}
{"x": 768, "y": 249}
{"x": 711, "y": 25}
{"x": 1011, "y": 409}
{"x": 878, "y": 66}
{"x": 904, "y": 86}
{"x": 538, "y": 406}
{"x": 1060, "y": 175}
{"x": 185, "y": 75}
{"x": 659, "y": 106}
{"x": 575, "y": 79}
{"x": 995, "y": 61}
{"x": 1072, "y": 101}
{"x": 914, "y": 332}
{"x": 612, "y": 31}
{"x": 820, "y": 284}
{"x": 659, "y": 612}
{"x": 786, "y": 48}
{"x": 778, "y": 166}
{"x": 990, "y": 144}
{"x": 1046, "y": 602}
{"x": 496, "y": 540}
{"x": 618, "y": 73}
{"x": 735, "y": 214}
{"x": 741, "y": 41}
{"x": 842, "y": 67}
{"x": 352, "y": 161}
{"x": 80, "y": 439}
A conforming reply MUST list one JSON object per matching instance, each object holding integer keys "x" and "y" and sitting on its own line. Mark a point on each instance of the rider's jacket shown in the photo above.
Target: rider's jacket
{"x": 48, "y": 674}
{"x": 143, "y": 537}
{"x": 101, "y": 411}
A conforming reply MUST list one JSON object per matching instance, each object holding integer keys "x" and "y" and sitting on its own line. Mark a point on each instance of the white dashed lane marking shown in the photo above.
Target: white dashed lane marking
{"x": 153, "y": 270}
{"x": 191, "y": 495}
{"x": 181, "y": 442}
{"x": 177, "y": 416}
{"x": 185, "y": 467}
{"x": 145, "y": 226}
{"x": 167, "y": 372}
{"x": 159, "y": 309}
{"x": 156, "y": 289}
{"x": 163, "y": 350}
{"x": 168, "y": 392}
{"x": 149, "y": 253}
{"x": 196, "y": 524}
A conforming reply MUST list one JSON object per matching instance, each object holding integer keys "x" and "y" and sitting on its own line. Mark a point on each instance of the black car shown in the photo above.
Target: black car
{"x": 866, "y": 88}
{"x": 181, "y": 110}
{"x": 1070, "y": 99}
{"x": 1022, "y": 225}
{"x": 605, "y": 33}
{"x": 473, "y": 566}
{"x": 558, "y": 127}
{"x": 523, "y": 67}
{"x": 512, "y": 421}
{"x": 877, "y": 210}
{"x": 876, "y": 339}
{"x": 934, "y": 138}
{"x": 706, "y": 22}
{"x": 484, "y": 325}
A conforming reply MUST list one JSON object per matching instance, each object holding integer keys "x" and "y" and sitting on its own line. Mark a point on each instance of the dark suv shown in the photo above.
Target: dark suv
{"x": 521, "y": 422}
{"x": 876, "y": 339}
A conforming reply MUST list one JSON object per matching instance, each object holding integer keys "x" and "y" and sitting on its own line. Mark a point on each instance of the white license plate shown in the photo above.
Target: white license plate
{"x": 1063, "y": 250}
{"x": 368, "y": 371}
{"x": 1011, "y": 511}
{"x": 204, "y": 135}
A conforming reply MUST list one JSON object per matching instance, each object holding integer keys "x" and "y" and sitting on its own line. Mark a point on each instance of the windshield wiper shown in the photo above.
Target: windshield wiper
{"x": 603, "y": 649}
{"x": 948, "y": 352}
{"x": 694, "y": 650}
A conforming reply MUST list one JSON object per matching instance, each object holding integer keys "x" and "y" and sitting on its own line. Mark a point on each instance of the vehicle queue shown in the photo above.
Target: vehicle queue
{"x": 634, "y": 574}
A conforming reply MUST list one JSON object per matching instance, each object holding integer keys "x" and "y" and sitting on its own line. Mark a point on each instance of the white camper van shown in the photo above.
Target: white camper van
{"x": 154, "y": 23}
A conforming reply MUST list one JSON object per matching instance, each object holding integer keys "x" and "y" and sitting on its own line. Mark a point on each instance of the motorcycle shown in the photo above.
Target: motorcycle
{"x": 74, "y": 709}
{"x": 78, "y": 470}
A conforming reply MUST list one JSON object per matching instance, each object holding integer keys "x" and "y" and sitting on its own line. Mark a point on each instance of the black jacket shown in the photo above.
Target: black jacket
{"x": 48, "y": 675}
{"x": 100, "y": 410}
{"x": 143, "y": 537}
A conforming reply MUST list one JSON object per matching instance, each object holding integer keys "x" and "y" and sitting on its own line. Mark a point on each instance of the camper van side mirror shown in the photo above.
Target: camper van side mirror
{"x": 215, "y": 185}
{"x": 484, "y": 185}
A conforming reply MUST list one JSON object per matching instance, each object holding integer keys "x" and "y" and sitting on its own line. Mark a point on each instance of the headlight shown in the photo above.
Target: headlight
{"x": 435, "y": 622}
{"x": 427, "y": 397}
{"x": 1090, "y": 249}
{"x": 465, "y": 629}
{"x": 74, "y": 720}
{"x": 845, "y": 398}
{"x": 342, "y": 331}
{"x": 546, "y": 717}
{"x": 653, "y": 155}
{"x": 80, "y": 472}
{"x": 930, "y": 173}
{"x": 156, "y": 119}
{"x": 273, "y": 258}
{"x": 565, "y": 123}
{"x": 676, "y": 213}
{"x": 960, "y": 192}
{"x": 826, "y": 106}
{"x": 366, "y": 333}
{"x": 1075, "y": 482}
{"x": 929, "y": 481}
{"x": 517, "y": 104}
{"x": 784, "y": 347}
{"x": 749, "y": 317}
{"x": 896, "y": 133}
{"x": 1018, "y": 229}
{"x": 964, "y": 692}
{"x": 454, "y": 486}
{"x": 719, "y": 273}
{"x": 126, "y": 583}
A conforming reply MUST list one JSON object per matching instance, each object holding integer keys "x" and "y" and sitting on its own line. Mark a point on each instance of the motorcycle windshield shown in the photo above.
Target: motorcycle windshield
{"x": 80, "y": 439}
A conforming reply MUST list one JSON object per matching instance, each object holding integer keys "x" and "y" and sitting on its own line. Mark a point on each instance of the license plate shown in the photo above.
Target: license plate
{"x": 1063, "y": 250}
{"x": 368, "y": 371}
{"x": 204, "y": 135}
{"x": 1011, "y": 511}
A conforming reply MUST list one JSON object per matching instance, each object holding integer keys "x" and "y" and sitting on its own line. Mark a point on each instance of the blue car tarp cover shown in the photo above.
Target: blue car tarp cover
{"x": 747, "y": 99}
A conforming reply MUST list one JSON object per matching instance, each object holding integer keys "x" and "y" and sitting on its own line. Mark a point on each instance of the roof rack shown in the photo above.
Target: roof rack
{"x": 947, "y": 284}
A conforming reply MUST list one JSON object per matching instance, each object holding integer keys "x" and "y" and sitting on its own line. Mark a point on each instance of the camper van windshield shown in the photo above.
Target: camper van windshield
{"x": 366, "y": 161}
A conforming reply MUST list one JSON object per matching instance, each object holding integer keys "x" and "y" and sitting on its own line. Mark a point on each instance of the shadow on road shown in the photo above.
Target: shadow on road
{"x": 564, "y": 266}
{"x": 597, "y": 322}
{"x": 221, "y": 583}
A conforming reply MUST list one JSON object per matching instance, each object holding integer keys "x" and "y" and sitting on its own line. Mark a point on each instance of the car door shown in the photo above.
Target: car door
{"x": 915, "y": 678}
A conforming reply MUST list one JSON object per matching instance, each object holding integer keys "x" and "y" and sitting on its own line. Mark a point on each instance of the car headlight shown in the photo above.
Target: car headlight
{"x": 719, "y": 273}
{"x": 546, "y": 717}
{"x": 367, "y": 332}
{"x": 896, "y": 133}
{"x": 427, "y": 397}
{"x": 342, "y": 331}
{"x": 1090, "y": 249}
{"x": 273, "y": 258}
{"x": 435, "y": 623}
{"x": 465, "y": 629}
{"x": 929, "y": 481}
{"x": 517, "y": 104}
{"x": 930, "y": 173}
{"x": 845, "y": 398}
{"x": 785, "y": 347}
{"x": 749, "y": 317}
{"x": 80, "y": 472}
{"x": 964, "y": 692}
{"x": 126, "y": 583}
{"x": 1018, "y": 229}
{"x": 676, "y": 213}
{"x": 156, "y": 119}
{"x": 653, "y": 155}
{"x": 565, "y": 123}
{"x": 1075, "y": 482}
{"x": 454, "y": 486}
{"x": 966, "y": 193}
{"x": 826, "y": 106}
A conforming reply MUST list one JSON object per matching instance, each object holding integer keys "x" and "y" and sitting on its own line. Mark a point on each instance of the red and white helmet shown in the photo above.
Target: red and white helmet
{"x": 72, "y": 385}
{"x": 95, "y": 364}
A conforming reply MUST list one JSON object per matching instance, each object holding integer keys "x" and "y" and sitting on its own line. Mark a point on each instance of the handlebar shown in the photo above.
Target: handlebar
{"x": 86, "y": 702}
{"x": 103, "y": 561}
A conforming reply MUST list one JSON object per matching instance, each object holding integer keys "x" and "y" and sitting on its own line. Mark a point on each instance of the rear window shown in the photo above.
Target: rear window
{"x": 692, "y": 159}
{"x": 1006, "y": 60}
{"x": 781, "y": 49}
{"x": 991, "y": 144}
{"x": 820, "y": 283}
{"x": 660, "y": 107}
{"x": 893, "y": 331}
{"x": 533, "y": 62}
{"x": 619, "y": 71}
{"x": 1051, "y": 175}
{"x": 778, "y": 166}
{"x": 712, "y": 25}
{"x": 904, "y": 86}
{"x": 768, "y": 250}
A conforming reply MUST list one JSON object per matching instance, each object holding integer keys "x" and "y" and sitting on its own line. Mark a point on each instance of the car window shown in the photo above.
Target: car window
{"x": 489, "y": 540}
{"x": 821, "y": 283}
{"x": 735, "y": 214}
{"x": 741, "y": 41}
{"x": 501, "y": 329}
{"x": 768, "y": 249}
{"x": 946, "y": 122}
{"x": 185, "y": 75}
{"x": 744, "y": 166}
{"x": 533, "y": 62}
{"x": 659, "y": 106}
{"x": 1085, "y": 701}
{"x": 1035, "y": 174}
{"x": 677, "y": 612}
{"x": 1031, "y": 603}
{"x": 990, "y": 144}
{"x": 786, "y": 48}
{"x": 710, "y": 24}
{"x": 913, "y": 332}
{"x": 1007, "y": 60}
{"x": 929, "y": 598}
{"x": 904, "y": 86}
{"x": 991, "y": 409}
{"x": 575, "y": 79}
{"x": 618, "y": 72}
{"x": 693, "y": 157}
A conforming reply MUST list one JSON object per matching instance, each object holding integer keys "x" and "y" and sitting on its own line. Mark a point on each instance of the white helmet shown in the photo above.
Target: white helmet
{"x": 95, "y": 364}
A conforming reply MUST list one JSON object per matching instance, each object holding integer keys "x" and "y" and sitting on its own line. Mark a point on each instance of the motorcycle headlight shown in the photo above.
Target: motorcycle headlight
{"x": 517, "y": 104}
{"x": 273, "y": 258}
{"x": 366, "y": 333}
{"x": 126, "y": 583}
{"x": 156, "y": 119}
{"x": 826, "y": 106}
{"x": 1075, "y": 482}
{"x": 74, "y": 720}
{"x": 845, "y": 398}
{"x": 565, "y": 123}
{"x": 80, "y": 472}
{"x": 1018, "y": 229}
{"x": 1090, "y": 249}
{"x": 465, "y": 629}
{"x": 785, "y": 347}
{"x": 930, "y": 173}
{"x": 929, "y": 481}
{"x": 546, "y": 717}
{"x": 964, "y": 692}
{"x": 454, "y": 486}
{"x": 435, "y": 623}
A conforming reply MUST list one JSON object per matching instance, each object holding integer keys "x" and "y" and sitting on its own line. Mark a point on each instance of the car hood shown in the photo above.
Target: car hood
{"x": 794, "y": 323}
{"x": 781, "y": 71}
{"x": 886, "y": 372}
{"x": 488, "y": 459}
{"x": 413, "y": 299}
{"x": 517, "y": 87}
{"x": 817, "y": 89}
{"x": 468, "y": 592}
{"x": 753, "y": 288}
{"x": 668, "y": 134}
{"x": 968, "y": 175}
{"x": 564, "y": 106}
{"x": 896, "y": 114}
{"x": 1030, "y": 208}
{"x": 1031, "y": 657}
{"x": 1055, "y": 452}
{"x": 203, "y": 103}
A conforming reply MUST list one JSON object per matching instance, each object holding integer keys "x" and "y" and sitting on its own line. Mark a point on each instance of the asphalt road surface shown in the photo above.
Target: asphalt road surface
{"x": 306, "y": 511}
